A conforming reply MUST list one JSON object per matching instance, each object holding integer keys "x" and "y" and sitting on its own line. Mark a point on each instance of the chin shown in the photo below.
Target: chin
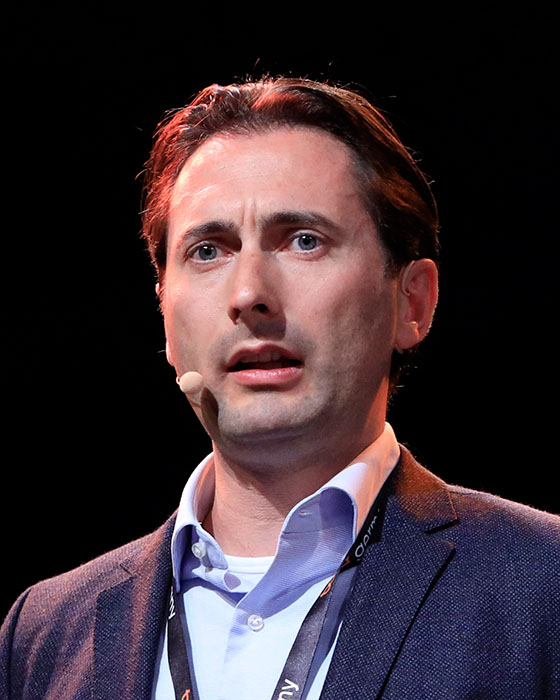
{"x": 259, "y": 414}
{"x": 273, "y": 421}
{"x": 253, "y": 429}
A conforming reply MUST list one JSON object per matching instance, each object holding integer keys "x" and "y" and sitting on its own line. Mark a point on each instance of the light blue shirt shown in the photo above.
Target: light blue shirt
{"x": 244, "y": 613}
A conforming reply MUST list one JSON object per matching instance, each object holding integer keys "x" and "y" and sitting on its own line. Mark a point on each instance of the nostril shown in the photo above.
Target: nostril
{"x": 236, "y": 313}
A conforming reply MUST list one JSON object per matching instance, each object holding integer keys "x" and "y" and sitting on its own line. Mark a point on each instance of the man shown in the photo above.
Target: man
{"x": 296, "y": 246}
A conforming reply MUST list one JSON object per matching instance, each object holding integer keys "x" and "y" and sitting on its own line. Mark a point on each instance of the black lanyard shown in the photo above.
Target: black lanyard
{"x": 293, "y": 680}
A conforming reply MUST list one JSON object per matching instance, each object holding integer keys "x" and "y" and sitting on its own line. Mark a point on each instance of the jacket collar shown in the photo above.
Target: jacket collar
{"x": 394, "y": 579}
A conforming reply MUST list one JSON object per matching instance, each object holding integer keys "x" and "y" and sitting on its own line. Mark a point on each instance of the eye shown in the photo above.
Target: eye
{"x": 204, "y": 252}
{"x": 207, "y": 251}
{"x": 305, "y": 242}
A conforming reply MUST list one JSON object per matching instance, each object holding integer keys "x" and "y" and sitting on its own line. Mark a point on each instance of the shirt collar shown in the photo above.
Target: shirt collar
{"x": 363, "y": 478}
{"x": 361, "y": 481}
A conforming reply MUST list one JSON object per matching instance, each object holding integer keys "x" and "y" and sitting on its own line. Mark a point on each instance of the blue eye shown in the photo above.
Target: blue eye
{"x": 306, "y": 241}
{"x": 207, "y": 252}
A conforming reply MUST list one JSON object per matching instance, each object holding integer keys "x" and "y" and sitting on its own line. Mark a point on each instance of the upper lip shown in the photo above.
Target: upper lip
{"x": 263, "y": 352}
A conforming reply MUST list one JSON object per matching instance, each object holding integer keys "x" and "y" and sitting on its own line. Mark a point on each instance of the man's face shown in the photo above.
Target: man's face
{"x": 276, "y": 291}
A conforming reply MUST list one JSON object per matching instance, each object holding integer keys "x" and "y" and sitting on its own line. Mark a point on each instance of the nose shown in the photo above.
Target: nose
{"x": 254, "y": 296}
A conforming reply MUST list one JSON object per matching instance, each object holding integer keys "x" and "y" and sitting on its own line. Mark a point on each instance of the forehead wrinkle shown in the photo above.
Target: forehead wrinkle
{"x": 249, "y": 213}
{"x": 185, "y": 190}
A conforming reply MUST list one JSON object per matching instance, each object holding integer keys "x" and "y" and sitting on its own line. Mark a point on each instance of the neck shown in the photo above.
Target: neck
{"x": 251, "y": 502}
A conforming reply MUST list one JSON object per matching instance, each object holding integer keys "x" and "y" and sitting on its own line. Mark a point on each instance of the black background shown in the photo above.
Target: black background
{"x": 98, "y": 441}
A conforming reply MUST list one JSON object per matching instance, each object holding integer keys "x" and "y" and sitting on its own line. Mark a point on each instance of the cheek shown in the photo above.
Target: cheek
{"x": 188, "y": 326}
{"x": 361, "y": 303}
{"x": 359, "y": 328}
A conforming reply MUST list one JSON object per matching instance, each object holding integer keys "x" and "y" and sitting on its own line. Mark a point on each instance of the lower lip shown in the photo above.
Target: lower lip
{"x": 281, "y": 377}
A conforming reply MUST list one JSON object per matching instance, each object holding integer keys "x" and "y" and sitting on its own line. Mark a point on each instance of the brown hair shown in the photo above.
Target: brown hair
{"x": 396, "y": 192}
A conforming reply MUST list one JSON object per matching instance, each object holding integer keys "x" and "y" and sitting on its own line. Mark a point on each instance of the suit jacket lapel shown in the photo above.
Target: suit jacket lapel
{"x": 394, "y": 579}
{"x": 128, "y": 622}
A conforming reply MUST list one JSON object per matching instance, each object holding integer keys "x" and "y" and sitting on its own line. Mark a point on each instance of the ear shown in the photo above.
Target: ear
{"x": 159, "y": 290}
{"x": 417, "y": 298}
{"x": 160, "y": 295}
{"x": 168, "y": 353}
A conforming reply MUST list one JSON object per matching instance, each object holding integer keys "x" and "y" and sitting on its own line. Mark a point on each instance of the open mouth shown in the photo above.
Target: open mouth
{"x": 264, "y": 361}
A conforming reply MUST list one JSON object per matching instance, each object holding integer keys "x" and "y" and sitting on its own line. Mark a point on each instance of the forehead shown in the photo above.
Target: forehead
{"x": 287, "y": 167}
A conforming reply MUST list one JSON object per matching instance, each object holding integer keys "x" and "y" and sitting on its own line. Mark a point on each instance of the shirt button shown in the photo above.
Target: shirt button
{"x": 199, "y": 550}
{"x": 255, "y": 622}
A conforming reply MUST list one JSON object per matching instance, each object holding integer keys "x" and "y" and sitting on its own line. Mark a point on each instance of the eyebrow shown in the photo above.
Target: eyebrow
{"x": 208, "y": 228}
{"x": 305, "y": 219}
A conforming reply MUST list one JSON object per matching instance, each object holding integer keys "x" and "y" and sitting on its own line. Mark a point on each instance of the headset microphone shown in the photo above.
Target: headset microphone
{"x": 191, "y": 383}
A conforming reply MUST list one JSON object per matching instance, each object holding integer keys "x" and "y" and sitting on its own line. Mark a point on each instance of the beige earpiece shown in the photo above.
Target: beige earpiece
{"x": 191, "y": 383}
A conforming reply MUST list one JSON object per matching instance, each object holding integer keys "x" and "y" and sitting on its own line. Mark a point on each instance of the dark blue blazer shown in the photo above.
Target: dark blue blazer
{"x": 459, "y": 599}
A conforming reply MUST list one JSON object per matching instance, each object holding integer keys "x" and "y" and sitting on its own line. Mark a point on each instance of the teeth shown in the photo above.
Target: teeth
{"x": 262, "y": 357}
{"x": 274, "y": 356}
